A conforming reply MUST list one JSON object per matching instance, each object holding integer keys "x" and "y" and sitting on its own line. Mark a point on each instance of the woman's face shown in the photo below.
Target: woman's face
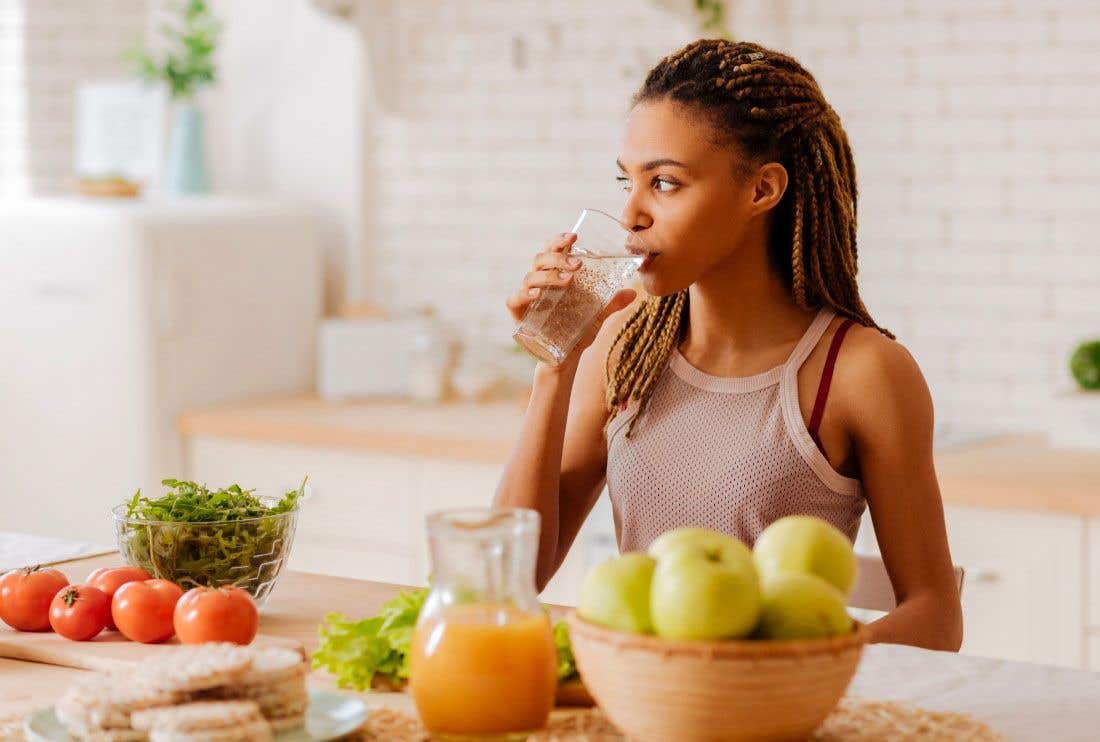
{"x": 689, "y": 199}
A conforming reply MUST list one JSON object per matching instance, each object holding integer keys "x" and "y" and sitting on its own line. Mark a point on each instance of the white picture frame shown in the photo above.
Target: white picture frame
{"x": 119, "y": 130}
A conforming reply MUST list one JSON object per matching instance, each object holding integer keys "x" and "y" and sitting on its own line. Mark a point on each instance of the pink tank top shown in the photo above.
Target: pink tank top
{"x": 728, "y": 453}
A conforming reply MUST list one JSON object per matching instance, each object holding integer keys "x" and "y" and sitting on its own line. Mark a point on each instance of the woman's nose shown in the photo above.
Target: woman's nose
{"x": 634, "y": 218}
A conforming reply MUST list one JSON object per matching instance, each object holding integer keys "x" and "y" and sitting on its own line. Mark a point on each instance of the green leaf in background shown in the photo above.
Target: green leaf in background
{"x": 712, "y": 17}
{"x": 1084, "y": 364}
{"x": 189, "y": 65}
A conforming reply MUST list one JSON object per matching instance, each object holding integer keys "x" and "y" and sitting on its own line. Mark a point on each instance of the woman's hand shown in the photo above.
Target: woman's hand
{"x": 554, "y": 268}
{"x": 551, "y": 268}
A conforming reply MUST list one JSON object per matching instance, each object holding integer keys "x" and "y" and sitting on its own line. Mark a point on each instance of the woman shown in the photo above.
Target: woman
{"x": 752, "y": 383}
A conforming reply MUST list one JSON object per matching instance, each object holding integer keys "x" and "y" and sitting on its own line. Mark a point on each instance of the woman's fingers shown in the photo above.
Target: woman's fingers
{"x": 518, "y": 302}
{"x": 533, "y": 284}
{"x": 560, "y": 243}
{"x": 556, "y": 260}
{"x": 552, "y": 268}
{"x": 547, "y": 279}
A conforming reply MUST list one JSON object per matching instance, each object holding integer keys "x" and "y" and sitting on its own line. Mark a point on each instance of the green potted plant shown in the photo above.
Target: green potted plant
{"x": 1084, "y": 364}
{"x": 710, "y": 15}
{"x": 186, "y": 66}
{"x": 1074, "y": 416}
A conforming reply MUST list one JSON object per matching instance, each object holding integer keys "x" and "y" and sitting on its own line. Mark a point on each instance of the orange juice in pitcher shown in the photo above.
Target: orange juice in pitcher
{"x": 483, "y": 663}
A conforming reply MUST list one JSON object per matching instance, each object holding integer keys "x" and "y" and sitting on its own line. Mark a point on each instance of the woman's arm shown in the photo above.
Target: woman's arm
{"x": 559, "y": 461}
{"x": 890, "y": 419}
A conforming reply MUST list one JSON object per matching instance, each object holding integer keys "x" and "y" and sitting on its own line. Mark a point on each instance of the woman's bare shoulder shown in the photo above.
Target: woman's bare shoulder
{"x": 865, "y": 349}
{"x": 877, "y": 376}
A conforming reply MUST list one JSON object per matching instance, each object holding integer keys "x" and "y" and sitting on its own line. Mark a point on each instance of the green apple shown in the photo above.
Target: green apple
{"x": 713, "y": 541}
{"x": 615, "y": 593}
{"x": 803, "y": 543}
{"x": 801, "y": 606}
{"x": 701, "y": 593}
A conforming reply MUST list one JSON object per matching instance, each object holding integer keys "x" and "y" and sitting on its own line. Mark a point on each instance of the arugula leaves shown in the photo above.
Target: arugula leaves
{"x": 194, "y": 503}
{"x": 196, "y": 536}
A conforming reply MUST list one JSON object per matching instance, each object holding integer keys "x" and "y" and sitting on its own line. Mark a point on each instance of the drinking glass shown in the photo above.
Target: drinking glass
{"x": 610, "y": 255}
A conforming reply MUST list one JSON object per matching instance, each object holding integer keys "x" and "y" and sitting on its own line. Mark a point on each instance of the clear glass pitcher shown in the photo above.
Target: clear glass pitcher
{"x": 483, "y": 663}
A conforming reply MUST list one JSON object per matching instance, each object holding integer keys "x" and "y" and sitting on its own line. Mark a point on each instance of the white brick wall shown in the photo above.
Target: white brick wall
{"x": 13, "y": 101}
{"x": 507, "y": 125}
{"x": 46, "y": 48}
{"x": 997, "y": 157}
{"x": 973, "y": 123}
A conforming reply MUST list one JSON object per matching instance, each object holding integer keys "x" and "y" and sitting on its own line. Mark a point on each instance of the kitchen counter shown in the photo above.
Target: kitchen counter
{"x": 1005, "y": 472}
{"x": 1021, "y": 473}
{"x": 1023, "y": 701}
{"x": 457, "y": 431}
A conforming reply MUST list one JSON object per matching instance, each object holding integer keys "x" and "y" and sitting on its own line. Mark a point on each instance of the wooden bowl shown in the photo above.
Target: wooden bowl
{"x": 694, "y": 691}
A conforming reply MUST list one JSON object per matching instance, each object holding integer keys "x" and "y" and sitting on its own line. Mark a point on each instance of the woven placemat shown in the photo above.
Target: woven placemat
{"x": 853, "y": 720}
{"x": 11, "y": 727}
{"x": 865, "y": 720}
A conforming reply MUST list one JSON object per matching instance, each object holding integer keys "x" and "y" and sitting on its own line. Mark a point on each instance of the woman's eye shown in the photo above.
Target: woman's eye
{"x": 661, "y": 184}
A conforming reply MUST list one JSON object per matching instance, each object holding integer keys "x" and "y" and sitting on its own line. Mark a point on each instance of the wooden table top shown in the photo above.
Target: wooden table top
{"x": 1021, "y": 700}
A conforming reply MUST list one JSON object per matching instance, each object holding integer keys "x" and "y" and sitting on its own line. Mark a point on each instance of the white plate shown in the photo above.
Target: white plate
{"x": 329, "y": 715}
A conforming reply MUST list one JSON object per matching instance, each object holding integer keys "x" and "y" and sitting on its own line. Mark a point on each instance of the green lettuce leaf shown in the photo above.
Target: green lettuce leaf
{"x": 567, "y": 666}
{"x": 355, "y": 651}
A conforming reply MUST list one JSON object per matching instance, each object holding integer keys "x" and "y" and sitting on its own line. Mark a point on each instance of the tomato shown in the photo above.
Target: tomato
{"x": 110, "y": 579}
{"x": 25, "y": 596}
{"x": 79, "y": 612}
{"x": 216, "y": 614}
{"x": 143, "y": 610}
{"x": 94, "y": 574}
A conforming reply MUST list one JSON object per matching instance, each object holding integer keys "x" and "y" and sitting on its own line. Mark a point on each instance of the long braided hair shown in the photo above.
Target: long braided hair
{"x": 773, "y": 109}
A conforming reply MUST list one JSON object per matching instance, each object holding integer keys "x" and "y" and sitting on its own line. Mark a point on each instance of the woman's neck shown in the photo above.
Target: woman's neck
{"x": 742, "y": 318}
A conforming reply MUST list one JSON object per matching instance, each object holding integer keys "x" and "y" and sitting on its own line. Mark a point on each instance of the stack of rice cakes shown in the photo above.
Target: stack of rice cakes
{"x": 201, "y": 693}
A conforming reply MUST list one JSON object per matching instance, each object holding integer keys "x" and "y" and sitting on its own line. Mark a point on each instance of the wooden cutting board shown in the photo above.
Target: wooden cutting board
{"x": 108, "y": 651}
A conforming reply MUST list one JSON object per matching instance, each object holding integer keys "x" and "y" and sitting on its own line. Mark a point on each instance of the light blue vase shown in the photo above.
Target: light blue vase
{"x": 186, "y": 168}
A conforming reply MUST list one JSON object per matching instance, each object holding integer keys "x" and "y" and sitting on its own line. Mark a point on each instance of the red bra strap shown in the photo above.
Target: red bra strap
{"x": 826, "y": 380}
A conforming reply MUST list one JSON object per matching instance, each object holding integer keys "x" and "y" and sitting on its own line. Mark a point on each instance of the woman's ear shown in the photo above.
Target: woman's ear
{"x": 769, "y": 185}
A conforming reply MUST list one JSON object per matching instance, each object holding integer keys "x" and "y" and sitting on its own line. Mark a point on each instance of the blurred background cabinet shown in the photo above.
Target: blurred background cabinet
{"x": 1024, "y": 589}
{"x": 118, "y": 315}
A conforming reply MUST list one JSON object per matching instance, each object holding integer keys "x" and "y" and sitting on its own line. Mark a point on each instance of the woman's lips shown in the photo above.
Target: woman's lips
{"x": 647, "y": 261}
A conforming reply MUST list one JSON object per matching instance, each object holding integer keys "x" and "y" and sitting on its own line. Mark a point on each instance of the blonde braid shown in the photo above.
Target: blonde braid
{"x": 642, "y": 351}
